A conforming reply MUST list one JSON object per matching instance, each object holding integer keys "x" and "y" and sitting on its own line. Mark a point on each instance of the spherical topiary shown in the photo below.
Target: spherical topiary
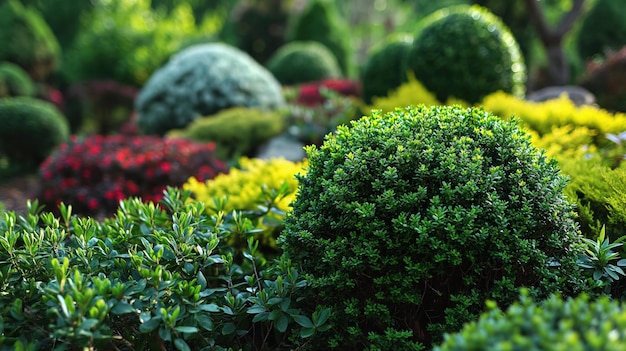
{"x": 405, "y": 223}
{"x": 385, "y": 68}
{"x": 200, "y": 81}
{"x": 31, "y": 130}
{"x": 14, "y": 81}
{"x": 551, "y": 325}
{"x": 466, "y": 52}
{"x": 237, "y": 131}
{"x": 302, "y": 62}
{"x": 604, "y": 28}
{"x": 27, "y": 40}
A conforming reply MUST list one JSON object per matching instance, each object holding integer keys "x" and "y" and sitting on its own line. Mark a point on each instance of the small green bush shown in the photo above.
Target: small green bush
{"x": 466, "y": 52}
{"x": 302, "y": 62}
{"x": 602, "y": 29}
{"x": 27, "y": 40}
{"x": 405, "y": 223}
{"x": 322, "y": 22}
{"x": 201, "y": 81}
{"x": 31, "y": 130}
{"x": 14, "y": 81}
{"x": 385, "y": 67}
{"x": 554, "y": 324}
{"x": 237, "y": 131}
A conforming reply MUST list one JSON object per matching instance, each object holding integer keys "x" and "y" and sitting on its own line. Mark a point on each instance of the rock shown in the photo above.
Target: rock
{"x": 578, "y": 95}
{"x": 282, "y": 146}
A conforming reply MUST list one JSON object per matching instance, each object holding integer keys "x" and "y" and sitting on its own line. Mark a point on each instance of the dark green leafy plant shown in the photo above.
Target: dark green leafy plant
{"x": 14, "y": 81}
{"x": 466, "y": 52}
{"x": 302, "y": 62}
{"x": 598, "y": 259}
{"x": 405, "y": 223}
{"x": 155, "y": 277}
{"x": 603, "y": 29}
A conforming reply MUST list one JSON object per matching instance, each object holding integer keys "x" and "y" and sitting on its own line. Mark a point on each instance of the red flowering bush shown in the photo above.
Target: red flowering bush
{"x": 316, "y": 93}
{"x": 94, "y": 174}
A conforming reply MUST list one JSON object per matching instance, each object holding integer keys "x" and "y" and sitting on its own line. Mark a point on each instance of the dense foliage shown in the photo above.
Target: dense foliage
{"x": 31, "y": 130}
{"x": 14, "y": 81}
{"x": 603, "y": 29}
{"x": 95, "y": 173}
{"x": 27, "y": 40}
{"x": 480, "y": 56}
{"x": 303, "y": 62}
{"x": 201, "y": 81}
{"x": 384, "y": 69}
{"x": 154, "y": 277}
{"x": 406, "y": 222}
{"x": 554, "y": 324}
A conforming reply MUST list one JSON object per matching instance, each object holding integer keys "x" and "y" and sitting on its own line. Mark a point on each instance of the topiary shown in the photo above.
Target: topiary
{"x": 554, "y": 324}
{"x": 602, "y": 29}
{"x": 237, "y": 131}
{"x": 384, "y": 68}
{"x": 27, "y": 40}
{"x": 200, "y": 81}
{"x": 322, "y": 22}
{"x": 466, "y": 52}
{"x": 302, "y": 62}
{"x": 14, "y": 81}
{"x": 405, "y": 223}
{"x": 31, "y": 130}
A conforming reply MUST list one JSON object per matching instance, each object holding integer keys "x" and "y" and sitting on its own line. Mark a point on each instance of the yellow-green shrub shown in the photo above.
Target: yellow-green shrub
{"x": 250, "y": 185}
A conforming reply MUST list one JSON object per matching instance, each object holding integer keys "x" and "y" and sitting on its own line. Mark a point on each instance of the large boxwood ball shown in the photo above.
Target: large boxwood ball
{"x": 201, "y": 81}
{"x": 407, "y": 222}
{"x": 302, "y": 62}
{"x": 466, "y": 52}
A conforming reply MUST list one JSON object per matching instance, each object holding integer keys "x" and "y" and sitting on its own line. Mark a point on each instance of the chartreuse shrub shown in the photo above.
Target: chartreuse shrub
{"x": 154, "y": 277}
{"x": 302, "y": 62}
{"x": 248, "y": 187}
{"x": 27, "y": 40}
{"x": 31, "y": 130}
{"x": 603, "y": 29}
{"x": 406, "y": 222}
{"x": 237, "y": 131}
{"x": 384, "y": 69}
{"x": 556, "y": 323}
{"x": 201, "y": 81}
{"x": 466, "y": 52}
{"x": 14, "y": 81}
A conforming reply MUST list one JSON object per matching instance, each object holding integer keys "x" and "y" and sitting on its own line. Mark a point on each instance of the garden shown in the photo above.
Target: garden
{"x": 312, "y": 175}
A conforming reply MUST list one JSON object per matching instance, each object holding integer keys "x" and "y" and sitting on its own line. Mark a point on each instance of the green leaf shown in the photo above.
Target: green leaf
{"x": 307, "y": 332}
{"x": 261, "y": 317}
{"x": 321, "y": 317}
{"x": 304, "y": 321}
{"x": 201, "y": 280}
{"x": 228, "y": 328}
{"x": 256, "y": 309}
{"x": 150, "y": 325}
{"x": 181, "y": 345}
{"x": 205, "y": 322}
{"x": 122, "y": 307}
{"x": 210, "y": 307}
{"x": 186, "y": 329}
{"x": 282, "y": 322}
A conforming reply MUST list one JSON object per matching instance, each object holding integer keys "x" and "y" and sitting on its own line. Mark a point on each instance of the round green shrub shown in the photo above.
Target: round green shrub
{"x": 237, "y": 131}
{"x": 302, "y": 62}
{"x": 466, "y": 52}
{"x": 14, "y": 81}
{"x": 27, "y": 40}
{"x": 405, "y": 223}
{"x": 604, "y": 28}
{"x": 203, "y": 80}
{"x": 384, "y": 68}
{"x": 550, "y": 325}
{"x": 31, "y": 130}
{"x": 322, "y": 22}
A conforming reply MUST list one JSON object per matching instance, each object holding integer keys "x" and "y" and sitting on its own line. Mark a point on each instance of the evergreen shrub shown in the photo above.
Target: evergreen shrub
{"x": 384, "y": 69}
{"x": 201, "y": 81}
{"x": 237, "y": 131}
{"x": 95, "y": 173}
{"x": 554, "y": 324}
{"x": 31, "y": 130}
{"x": 14, "y": 81}
{"x": 405, "y": 223}
{"x": 603, "y": 29}
{"x": 466, "y": 52}
{"x": 302, "y": 62}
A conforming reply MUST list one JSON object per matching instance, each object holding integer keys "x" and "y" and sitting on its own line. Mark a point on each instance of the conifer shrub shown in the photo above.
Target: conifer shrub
{"x": 303, "y": 62}
{"x": 466, "y": 52}
{"x": 31, "y": 130}
{"x": 385, "y": 66}
{"x": 201, "y": 81}
{"x": 554, "y": 324}
{"x": 14, "y": 81}
{"x": 603, "y": 29}
{"x": 237, "y": 131}
{"x": 405, "y": 223}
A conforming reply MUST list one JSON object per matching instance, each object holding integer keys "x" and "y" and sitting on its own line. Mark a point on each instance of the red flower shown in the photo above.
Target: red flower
{"x": 93, "y": 204}
{"x": 165, "y": 167}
